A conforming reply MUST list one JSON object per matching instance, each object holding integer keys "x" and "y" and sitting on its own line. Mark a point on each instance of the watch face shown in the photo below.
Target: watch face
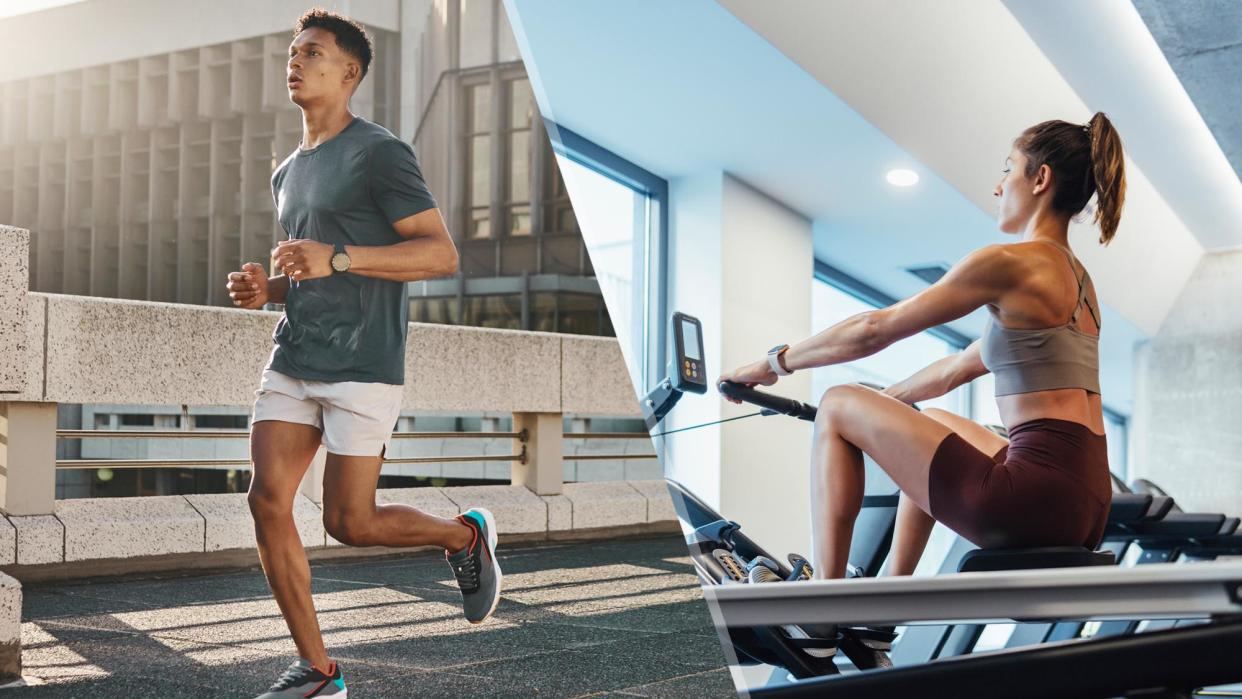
{"x": 340, "y": 262}
{"x": 777, "y": 348}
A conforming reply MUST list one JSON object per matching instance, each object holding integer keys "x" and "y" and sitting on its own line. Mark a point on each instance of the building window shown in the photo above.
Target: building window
{"x": 518, "y": 155}
{"x": 499, "y": 311}
{"x": 478, "y": 160}
{"x": 558, "y": 210}
{"x": 434, "y": 309}
{"x": 831, "y": 305}
{"x": 619, "y": 208}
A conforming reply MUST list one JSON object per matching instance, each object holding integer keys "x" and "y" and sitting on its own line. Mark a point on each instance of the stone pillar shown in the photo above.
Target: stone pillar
{"x": 14, "y": 282}
{"x": 312, "y": 480}
{"x": 28, "y": 458}
{"x": 10, "y": 628}
{"x": 545, "y": 446}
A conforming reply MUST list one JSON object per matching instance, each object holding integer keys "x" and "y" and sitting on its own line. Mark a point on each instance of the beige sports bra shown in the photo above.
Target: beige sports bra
{"x": 1043, "y": 359}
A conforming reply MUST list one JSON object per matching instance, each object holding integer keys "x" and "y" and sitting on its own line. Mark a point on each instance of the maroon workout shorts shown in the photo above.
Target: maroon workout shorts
{"x": 1049, "y": 487}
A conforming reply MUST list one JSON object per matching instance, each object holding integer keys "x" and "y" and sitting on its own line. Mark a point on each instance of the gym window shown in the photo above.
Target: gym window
{"x": 621, "y": 211}
{"x": 836, "y": 296}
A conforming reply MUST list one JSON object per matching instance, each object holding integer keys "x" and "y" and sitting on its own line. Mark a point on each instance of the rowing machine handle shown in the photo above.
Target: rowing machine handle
{"x": 767, "y": 401}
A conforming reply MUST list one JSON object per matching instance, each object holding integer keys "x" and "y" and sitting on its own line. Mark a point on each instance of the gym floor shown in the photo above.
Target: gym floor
{"x": 620, "y": 618}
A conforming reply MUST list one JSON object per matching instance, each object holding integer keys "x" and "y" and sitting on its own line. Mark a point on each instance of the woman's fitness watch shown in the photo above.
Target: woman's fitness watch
{"x": 340, "y": 259}
{"x": 774, "y": 360}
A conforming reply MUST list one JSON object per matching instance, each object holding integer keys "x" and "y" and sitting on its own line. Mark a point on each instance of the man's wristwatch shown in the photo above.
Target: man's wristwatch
{"x": 774, "y": 360}
{"x": 340, "y": 259}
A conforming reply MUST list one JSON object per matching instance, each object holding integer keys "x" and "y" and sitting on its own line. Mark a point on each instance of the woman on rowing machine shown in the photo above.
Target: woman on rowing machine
{"x": 1048, "y": 485}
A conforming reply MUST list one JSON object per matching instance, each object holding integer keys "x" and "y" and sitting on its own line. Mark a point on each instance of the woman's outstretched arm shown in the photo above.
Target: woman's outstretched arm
{"x": 981, "y": 278}
{"x": 940, "y": 377}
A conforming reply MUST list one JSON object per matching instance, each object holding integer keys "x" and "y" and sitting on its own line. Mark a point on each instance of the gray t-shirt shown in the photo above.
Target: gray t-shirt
{"x": 349, "y": 189}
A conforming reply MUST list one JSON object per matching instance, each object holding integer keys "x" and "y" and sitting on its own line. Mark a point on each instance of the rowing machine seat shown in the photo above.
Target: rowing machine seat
{"x": 1022, "y": 559}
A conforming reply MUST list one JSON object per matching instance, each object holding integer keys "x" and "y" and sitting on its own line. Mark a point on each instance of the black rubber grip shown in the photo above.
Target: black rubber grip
{"x": 767, "y": 401}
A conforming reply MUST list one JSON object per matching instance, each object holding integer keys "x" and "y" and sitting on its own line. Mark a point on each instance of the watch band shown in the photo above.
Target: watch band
{"x": 774, "y": 360}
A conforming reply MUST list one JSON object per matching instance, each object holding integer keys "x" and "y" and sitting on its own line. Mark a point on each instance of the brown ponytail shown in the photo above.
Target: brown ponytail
{"x": 1085, "y": 160}
{"x": 1108, "y": 169}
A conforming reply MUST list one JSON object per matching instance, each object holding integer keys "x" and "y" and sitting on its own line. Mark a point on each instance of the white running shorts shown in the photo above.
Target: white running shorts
{"x": 356, "y": 418}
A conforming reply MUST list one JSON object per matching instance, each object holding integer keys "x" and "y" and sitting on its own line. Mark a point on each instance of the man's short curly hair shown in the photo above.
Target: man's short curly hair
{"x": 351, "y": 36}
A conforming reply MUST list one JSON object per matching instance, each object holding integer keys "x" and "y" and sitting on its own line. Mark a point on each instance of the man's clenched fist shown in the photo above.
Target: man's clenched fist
{"x": 301, "y": 260}
{"x": 248, "y": 288}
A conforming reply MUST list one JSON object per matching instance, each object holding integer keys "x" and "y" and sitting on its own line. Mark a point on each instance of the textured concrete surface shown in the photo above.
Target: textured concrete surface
{"x": 517, "y": 510}
{"x": 433, "y": 500}
{"x": 8, "y": 542}
{"x": 10, "y": 627}
{"x": 594, "y": 378}
{"x": 14, "y": 282}
{"x": 36, "y": 321}
{"x": 605, "y": 505}
{"x": 1202, "y": 41}
{"x": 458, "y": 369}
{"x": 40, "y": 539}
{"x": 575, "y": 620}
{"x": 229, "y": 524}
{"x": 187, "y": 354}
{"x": 199, "y": 355}
{"x": 1186, "y": 435}
{"x": 659, "y": 503}
{"x": 129, "y": 527}
{"x": 560, "y": 513}
{"x": 149, "y": 527}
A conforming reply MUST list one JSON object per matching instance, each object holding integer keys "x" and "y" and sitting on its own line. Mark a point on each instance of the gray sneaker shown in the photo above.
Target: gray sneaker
{"x": 475, "y": 567}
{"x": 302, "y": 679}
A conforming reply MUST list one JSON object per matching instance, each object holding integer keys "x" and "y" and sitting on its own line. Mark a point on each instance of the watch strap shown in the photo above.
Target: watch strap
{"x": 774, "y": 360}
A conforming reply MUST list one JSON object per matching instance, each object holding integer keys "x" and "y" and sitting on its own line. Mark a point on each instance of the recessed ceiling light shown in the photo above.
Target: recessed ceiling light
{"x": 901, "y": 177}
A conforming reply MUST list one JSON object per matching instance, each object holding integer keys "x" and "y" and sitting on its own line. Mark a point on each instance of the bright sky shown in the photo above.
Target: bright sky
{"x": 9, "y": 8}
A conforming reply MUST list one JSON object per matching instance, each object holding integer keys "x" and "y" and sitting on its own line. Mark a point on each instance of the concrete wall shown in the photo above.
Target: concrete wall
{"x": 744, "y": 267}
{"x": 1186, "y": 434}
{"x": 95, "y": 350}
{"x": 14, "y": 280}
{"x": 127, "y": 535}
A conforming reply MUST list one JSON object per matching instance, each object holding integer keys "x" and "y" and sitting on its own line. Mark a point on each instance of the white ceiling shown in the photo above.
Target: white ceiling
{"x": 954, "y": 88}
{"x": 685, "y": 88}
{"x": 1108, "y": 56}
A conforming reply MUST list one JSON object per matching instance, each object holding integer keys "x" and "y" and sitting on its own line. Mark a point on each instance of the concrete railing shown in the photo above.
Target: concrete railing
{"x": 69, "y": 349}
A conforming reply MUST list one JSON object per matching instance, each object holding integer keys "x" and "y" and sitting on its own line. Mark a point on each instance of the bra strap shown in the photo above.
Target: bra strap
{"x": 1082, "y": 300}
{"x": 1082, "y": 289}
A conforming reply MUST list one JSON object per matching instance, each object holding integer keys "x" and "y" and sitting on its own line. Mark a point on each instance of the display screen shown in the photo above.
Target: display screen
{"x": 690, "y": 340}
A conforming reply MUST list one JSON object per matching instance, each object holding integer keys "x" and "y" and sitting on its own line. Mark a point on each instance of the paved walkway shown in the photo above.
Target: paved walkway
{"x": 620, "y": 618}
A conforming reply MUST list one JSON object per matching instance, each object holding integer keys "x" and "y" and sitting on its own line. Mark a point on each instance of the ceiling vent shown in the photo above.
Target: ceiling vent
{"x": 929, "y": 273}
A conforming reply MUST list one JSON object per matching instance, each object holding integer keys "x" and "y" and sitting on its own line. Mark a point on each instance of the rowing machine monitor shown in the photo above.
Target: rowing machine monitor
{"x": 687, "y": 370}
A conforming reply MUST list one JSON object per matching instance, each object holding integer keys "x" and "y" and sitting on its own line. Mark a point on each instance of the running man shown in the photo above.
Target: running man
{"x": 361, "y": 223}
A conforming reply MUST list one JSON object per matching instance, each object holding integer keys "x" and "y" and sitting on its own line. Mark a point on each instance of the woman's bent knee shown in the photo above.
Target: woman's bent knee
{"x": 839, "y": 397}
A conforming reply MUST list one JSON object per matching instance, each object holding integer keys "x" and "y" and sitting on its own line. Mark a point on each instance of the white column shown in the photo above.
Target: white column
{"x": 28, "y": 458}
{"x": 743, "y": 263}
{"x": 543, "y": 471}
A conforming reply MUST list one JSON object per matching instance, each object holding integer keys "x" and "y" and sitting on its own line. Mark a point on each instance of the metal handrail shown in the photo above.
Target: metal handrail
{"x": 606, "y": 435}
{"x": 244, "y": 464}
{"x": 606, "y": 457}
{"x": 237, "y": 433}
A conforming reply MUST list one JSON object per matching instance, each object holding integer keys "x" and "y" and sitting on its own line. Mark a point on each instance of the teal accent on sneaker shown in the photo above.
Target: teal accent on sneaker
{"x": 475, "y": 567}
{"x": 479, "y": 521}
{"x": 301, "y": 680}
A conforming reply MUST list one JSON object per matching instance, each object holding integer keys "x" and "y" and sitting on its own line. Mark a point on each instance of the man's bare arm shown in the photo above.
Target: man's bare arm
{"x": 426, "y": 253}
